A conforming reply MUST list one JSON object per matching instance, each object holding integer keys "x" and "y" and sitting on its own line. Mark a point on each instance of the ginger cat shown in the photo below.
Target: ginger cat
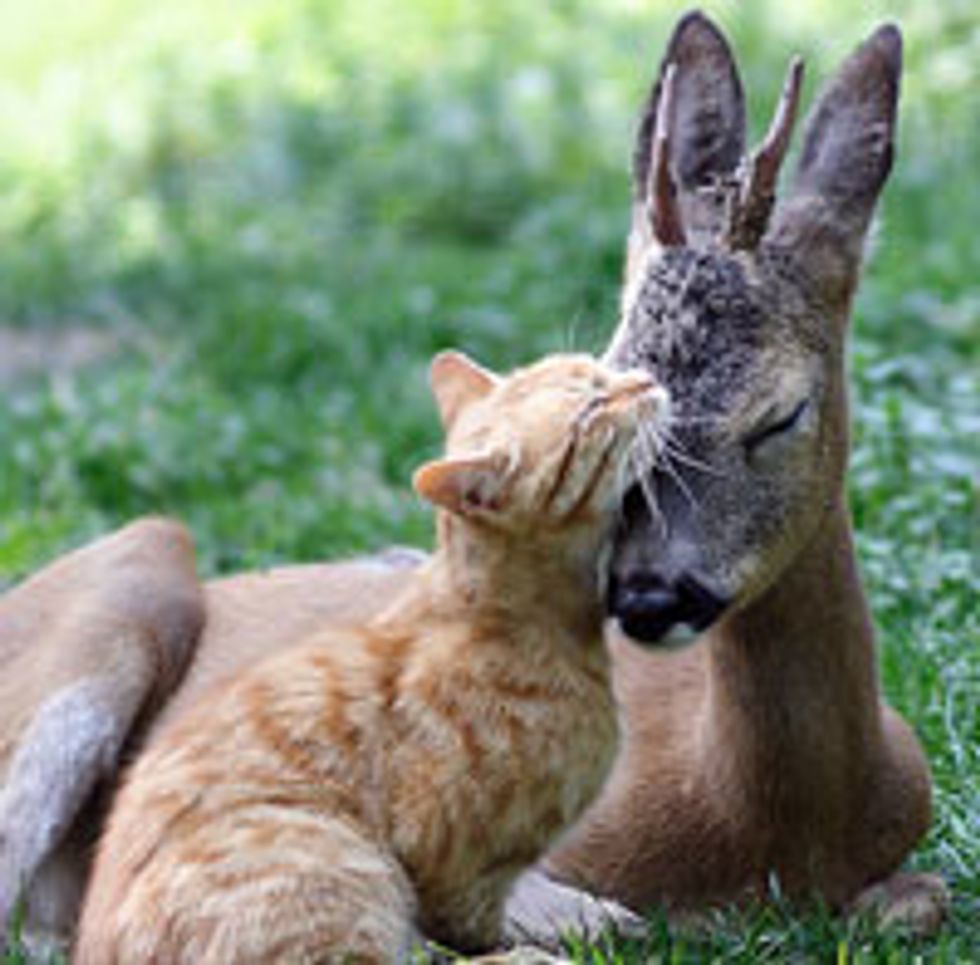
{"x": 334, "y": 801}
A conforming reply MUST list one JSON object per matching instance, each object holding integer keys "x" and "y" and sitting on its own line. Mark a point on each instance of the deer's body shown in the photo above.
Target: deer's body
{"x": 764, "y": 749}
{"x": 769, "y": 752}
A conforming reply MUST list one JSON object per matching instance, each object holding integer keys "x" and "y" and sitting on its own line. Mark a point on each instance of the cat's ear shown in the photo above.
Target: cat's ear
{"x": 465, "y": 485}
{"x": 457, "y": 381}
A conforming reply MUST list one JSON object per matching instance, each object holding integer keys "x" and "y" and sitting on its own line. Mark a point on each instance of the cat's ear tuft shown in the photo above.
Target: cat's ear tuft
{"x": 456, "y": 382}
{"x": 465, "y": 485}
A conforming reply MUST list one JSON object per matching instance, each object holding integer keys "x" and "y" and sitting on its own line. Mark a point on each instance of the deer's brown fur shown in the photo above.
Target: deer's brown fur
{"x": 765, "y": 753}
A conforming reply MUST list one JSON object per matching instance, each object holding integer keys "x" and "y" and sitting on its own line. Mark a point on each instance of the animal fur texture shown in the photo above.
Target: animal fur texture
{"x": 766, "y": 748}
{"x": 393, "y": 779}
{"x": 89, "y": 649}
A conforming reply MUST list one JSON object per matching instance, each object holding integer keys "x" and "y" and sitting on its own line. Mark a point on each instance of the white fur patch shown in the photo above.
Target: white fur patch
{"x": 72, "y": 740}
{"x": 679, "y": 636}
{"x": 543, "y": 911}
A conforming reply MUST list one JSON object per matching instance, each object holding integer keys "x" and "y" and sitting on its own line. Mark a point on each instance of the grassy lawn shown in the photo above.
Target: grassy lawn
{"x": 269, "y": 214}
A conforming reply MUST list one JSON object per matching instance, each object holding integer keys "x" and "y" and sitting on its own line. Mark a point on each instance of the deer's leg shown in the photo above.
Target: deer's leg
{"x": 911, "y": 901}
{"x": 90, "y": 648}
{"x": 898, "y": 818}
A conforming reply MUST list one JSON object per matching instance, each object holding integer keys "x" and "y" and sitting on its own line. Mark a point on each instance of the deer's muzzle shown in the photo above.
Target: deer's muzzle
{"x": 649, "y": 607}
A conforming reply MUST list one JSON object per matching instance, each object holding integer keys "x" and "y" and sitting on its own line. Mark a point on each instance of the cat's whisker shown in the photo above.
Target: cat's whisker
{"x": 639, "y": 460}
{"x": 644, "y": 455}
{"x": 677, "y": 420}
{"x": 668, "y": 450}
{"x": 641, "y": 455}
{"x": 570, "y": 334}
{"x": 655, "y": 440}
{"x": 679, "y": 482}
{"x": 650, "y": 500}
{"x": 676, "y": 451}
{"x": 667, "y": 438}
{"x": 643, "y": 479}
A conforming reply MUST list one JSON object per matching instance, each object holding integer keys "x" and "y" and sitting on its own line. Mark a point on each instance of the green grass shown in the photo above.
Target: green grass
{"x": 284, "y": 208}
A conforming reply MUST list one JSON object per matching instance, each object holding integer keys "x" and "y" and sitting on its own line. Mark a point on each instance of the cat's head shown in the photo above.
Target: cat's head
{"x": 550, "y": 445}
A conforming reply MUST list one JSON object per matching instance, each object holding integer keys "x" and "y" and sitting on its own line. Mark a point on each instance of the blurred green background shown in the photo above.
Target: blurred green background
{"x": 233, "y": 233}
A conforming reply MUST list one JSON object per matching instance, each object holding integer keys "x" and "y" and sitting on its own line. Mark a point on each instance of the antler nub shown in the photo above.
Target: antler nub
{"x": 754, "y": 203}
{"x": 769, "y": 157}
{"x": 665, "y": 215}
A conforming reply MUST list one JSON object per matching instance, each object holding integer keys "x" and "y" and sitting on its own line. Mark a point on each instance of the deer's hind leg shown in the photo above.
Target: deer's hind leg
{"x": 89, "y": 649}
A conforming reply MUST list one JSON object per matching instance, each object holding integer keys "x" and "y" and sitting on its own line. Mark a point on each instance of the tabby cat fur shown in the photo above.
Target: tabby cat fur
{"x": 394, "y": 778}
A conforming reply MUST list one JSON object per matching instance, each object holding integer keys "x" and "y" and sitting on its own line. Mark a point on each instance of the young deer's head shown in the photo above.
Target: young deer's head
{"x": 738, "y": 304}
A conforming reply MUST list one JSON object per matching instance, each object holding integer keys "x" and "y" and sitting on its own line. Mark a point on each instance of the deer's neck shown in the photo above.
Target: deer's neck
{"x": 792, "y": 715}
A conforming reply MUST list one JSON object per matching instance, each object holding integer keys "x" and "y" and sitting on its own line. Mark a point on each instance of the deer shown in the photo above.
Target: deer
{"x": 756, "y": 746}
{"x": 766, "y": 749}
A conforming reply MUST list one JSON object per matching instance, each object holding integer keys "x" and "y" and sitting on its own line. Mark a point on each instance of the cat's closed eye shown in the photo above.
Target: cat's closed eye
{"x": 594, "y": 404}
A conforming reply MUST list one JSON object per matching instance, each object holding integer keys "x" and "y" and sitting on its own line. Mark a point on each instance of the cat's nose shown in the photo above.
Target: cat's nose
{"x": 637, "y": 392}
{"x": 650, "y": 607}
{"x": 635, "y": 381}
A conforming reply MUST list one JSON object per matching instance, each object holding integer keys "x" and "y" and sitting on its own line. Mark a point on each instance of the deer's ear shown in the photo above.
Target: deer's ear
{"x": 456, "y": 382}
{"x": 847, "y": 154}
{"x": 466, "y": 486}
{"x": 707, "y": 131}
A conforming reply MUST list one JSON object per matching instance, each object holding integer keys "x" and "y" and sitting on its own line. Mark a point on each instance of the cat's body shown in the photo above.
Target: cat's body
{"x": 400, "y": 774}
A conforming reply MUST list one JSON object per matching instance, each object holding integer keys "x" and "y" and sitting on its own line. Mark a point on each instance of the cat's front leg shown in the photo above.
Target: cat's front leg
{"x": 543, "y": 911}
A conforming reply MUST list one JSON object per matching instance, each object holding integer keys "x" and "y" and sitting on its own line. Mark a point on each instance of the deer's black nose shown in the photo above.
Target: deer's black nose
{"x": 648, "y": 607}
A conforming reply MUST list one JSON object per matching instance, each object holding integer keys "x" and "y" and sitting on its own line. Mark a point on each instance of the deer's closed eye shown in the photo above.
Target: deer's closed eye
{"x": 772, "y": 429}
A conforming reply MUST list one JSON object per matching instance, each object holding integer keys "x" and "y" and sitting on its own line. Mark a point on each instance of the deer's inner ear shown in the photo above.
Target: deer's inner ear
{"x": 707, "y": 130}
